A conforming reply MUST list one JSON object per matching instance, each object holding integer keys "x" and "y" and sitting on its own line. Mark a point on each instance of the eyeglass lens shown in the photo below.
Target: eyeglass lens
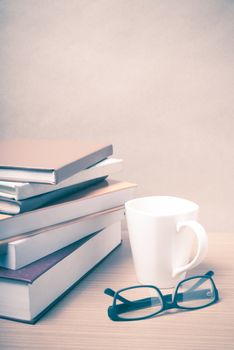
{"x": 141, "y": 302}
{"x": 195, "y": 292}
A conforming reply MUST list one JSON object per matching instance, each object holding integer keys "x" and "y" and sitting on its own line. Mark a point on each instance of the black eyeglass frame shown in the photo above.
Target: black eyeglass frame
{"x": 168, "y": 301}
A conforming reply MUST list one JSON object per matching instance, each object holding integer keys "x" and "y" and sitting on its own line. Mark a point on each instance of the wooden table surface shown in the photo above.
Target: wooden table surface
{"x": 80, "y": 321}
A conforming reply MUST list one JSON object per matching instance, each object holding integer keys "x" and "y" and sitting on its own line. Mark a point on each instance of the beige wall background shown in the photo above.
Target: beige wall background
{"x": 155, "y": 78}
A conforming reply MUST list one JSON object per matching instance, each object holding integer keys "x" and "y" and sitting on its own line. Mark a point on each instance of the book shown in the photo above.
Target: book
{"x": 47, "y": 161}
{"x": 22, "y": 292}
{"x": 24, "y": 190}
{"x": 104, "y": 195}
{"x": 23, "y": 250}
{"x": 12, "y": 206}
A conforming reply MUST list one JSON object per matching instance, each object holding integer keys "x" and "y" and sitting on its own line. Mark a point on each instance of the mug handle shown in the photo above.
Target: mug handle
{"x": 202, "y": 245}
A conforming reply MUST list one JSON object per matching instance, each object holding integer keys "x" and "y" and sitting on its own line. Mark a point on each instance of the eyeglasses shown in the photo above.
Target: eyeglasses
{"x": 141, "y": 302}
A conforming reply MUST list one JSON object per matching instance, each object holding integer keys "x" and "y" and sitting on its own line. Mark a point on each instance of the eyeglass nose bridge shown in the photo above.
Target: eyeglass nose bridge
{"x": 169, "y": 305}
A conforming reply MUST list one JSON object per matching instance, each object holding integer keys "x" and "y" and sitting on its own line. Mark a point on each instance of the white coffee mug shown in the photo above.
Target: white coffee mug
{"x": 161, "y": 245}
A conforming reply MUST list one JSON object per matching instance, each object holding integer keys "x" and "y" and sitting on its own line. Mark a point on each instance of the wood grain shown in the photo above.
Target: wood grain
{"x": 80, "y": 320}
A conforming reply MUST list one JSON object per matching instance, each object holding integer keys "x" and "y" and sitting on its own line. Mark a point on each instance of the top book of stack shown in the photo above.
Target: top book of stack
{"x": 48, "y": 161}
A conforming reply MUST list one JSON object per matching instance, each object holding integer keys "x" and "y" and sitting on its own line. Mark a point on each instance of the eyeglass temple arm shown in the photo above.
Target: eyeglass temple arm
{"x": 209, "y": 273}
{"x": 111, "y": 293}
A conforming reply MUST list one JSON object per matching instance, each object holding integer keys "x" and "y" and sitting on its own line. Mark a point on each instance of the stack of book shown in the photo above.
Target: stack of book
{"x": 59, "y": 217}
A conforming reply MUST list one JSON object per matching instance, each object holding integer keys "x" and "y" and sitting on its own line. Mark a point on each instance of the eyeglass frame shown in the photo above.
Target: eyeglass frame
{"x": 166, "y": 305}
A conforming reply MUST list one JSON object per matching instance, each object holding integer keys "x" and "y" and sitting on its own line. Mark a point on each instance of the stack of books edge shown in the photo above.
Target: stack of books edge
{"x": 59, "y": 214}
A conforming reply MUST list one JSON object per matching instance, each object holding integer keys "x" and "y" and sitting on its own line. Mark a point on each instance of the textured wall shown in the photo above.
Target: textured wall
{"x": 153, "y": 77}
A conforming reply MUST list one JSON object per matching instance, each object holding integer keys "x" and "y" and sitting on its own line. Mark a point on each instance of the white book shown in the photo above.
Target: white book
{"x": 23, "y": 190}
{"x": 104, "y": 195}
{"x": 26, "y": 294}
{"x": 35, "y": 245}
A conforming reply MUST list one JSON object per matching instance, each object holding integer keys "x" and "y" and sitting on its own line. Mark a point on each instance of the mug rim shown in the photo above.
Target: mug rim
{"x": 194, "y": 206}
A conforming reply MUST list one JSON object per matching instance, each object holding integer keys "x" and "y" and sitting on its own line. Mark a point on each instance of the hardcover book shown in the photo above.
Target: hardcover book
{"x": 47, "y": 161}
{"x": 22, "y": 292}
{"x": 13, "y": 206}
{"x": 31, "y": 246}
